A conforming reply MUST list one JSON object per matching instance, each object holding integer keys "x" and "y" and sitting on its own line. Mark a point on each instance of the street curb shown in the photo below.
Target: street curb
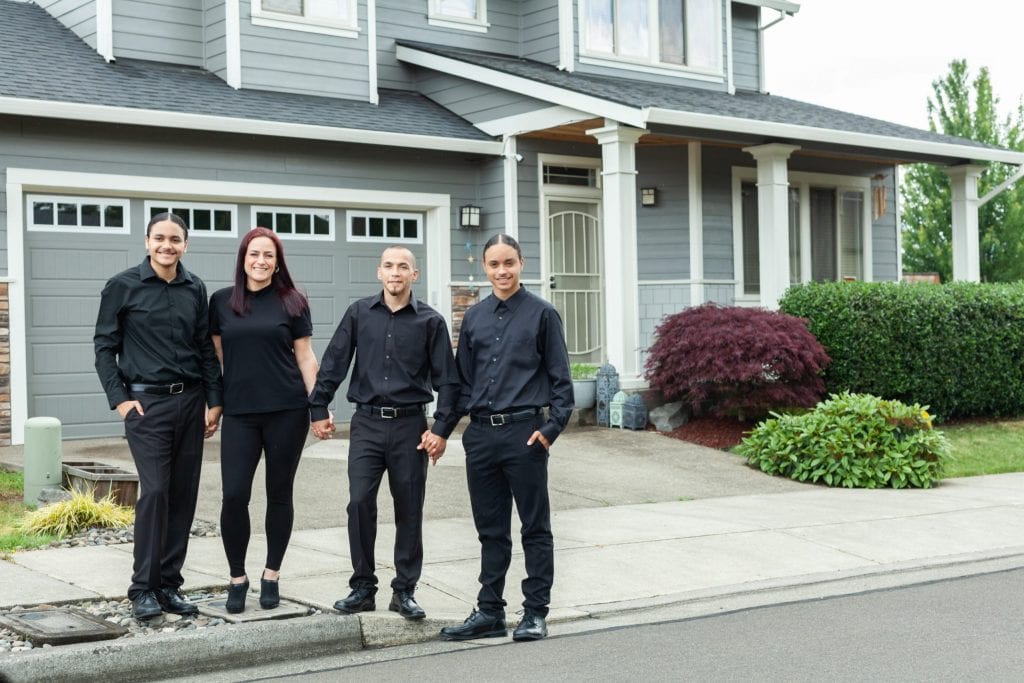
{"x": 189, "y": 652}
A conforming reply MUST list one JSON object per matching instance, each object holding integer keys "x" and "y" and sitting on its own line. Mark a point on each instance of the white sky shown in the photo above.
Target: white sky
{"x": 879, "y": 57}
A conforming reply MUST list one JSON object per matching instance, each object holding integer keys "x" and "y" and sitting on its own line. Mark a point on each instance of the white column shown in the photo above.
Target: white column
{"x": 696, "y": 223}
{"x": 773, "y": 219}
{"x": 964, "y": 184}
{"x": 618, "y": 227}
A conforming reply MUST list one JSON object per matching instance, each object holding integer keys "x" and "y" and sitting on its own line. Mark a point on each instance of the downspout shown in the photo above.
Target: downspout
{"x": 760, "y": 45}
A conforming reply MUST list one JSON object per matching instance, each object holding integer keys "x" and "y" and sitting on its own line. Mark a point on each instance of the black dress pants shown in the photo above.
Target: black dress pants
{"x": 376, "y": 445}
{"x": 279, "y": 436}
{"x": 167, "y": 445}
{"x": 500, "y": 468}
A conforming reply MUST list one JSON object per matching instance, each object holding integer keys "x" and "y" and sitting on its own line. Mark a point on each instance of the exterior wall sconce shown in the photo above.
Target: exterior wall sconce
{"x": 469, "y": 216}
{"x": 648, "y": 196}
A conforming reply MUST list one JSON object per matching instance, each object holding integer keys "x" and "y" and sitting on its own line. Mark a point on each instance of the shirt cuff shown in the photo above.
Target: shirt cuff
{"x": 317, "y": 413}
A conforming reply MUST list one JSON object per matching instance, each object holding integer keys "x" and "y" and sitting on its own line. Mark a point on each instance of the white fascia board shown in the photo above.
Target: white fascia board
{"x": 778, "y": 5}
{"x": 633, "y": 116}
{"x": 223, "y": 124}
{"x": 541, "y": 119}
{"x": 838, "y": 137}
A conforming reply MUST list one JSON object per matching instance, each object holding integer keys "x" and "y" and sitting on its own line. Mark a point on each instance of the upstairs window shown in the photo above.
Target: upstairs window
{"x": 464, "y": 14}
{"x": 677, "y": 34}
{"x": 334, "y": 17}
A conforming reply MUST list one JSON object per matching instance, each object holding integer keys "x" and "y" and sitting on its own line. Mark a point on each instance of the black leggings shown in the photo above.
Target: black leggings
{"x": 281, "y": 435}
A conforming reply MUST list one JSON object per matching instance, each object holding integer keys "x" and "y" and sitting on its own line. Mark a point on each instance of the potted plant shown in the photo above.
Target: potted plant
{"x": 584, "y": 384}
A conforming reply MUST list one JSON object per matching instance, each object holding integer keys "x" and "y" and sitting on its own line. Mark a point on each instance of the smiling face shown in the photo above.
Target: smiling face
{"x": 397, "y": 271}
{"x": 166, "y": 242}
{"x": 503, "y": 266}
{"x": 260, "y": 263}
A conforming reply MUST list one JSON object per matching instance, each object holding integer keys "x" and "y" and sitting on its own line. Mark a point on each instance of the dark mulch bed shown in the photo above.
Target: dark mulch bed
{"x": 713, "y": 432}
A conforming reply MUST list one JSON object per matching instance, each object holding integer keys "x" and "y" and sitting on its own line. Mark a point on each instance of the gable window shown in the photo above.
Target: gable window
{"x": 464, "y": 14}
{"x": 677, "y": 34}
{"x": 78, "y": 214}
{"x": 297, "y": 223}
{"x": 205, "y": 219}
{"x": 384, "y": 226}
{"x": 332, "y": 17}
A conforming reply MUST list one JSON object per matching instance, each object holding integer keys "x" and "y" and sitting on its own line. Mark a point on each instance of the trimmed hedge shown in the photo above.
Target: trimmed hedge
{"x": 851, "y": 440}
{"x": 958, "y": 348}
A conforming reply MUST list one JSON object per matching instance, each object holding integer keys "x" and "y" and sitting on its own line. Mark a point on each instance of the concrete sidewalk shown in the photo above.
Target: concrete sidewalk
{"x": 610, "y": 559}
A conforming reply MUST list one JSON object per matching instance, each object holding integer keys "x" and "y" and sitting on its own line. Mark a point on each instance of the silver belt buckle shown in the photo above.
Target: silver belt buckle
{"x": 177, "y": 387}
{"x": 501, "y": 417}
{"x": 386, "y": 415}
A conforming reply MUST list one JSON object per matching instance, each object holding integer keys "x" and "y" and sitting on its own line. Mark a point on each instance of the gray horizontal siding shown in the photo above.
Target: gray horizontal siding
{"x": 77, "y": 15}
{"x": 746, "y": 69}
{"x": 717, "y": 165}
{"x": 656, "y": 302}
{"x": 288, "y": 60}
{"x": 539, "y": 36}
{"x": 475, "y": 101}
{"x": 663, "y": 235}
{"x": 884, "y": 242}
{"x": 215, "y": 49}
{"x": 468, "y": 244}
{"x": 407, "y": 20}
{"x": 159, "y": 30}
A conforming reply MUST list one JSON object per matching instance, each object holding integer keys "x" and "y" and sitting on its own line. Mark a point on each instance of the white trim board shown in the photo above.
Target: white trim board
{"x": 539, "y": 119}
{"x": 224, "y": 124}
{"x": 20, "y": 181}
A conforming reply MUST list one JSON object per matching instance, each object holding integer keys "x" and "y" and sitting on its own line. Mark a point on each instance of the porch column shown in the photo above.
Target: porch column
{"x": 964, "y": 184}
{"x": 772, "y": 219}
{"x": 618, "y": 228}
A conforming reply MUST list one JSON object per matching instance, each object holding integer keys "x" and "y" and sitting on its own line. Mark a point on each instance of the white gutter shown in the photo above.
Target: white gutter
{"x": 777, "y": 5}
{"x": 17, "y": 106}
{"x": 1018, "y": 174}
{"x": 792, "y": 131}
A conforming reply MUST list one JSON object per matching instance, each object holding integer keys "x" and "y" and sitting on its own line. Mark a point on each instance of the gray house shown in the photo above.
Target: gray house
{"x": 629, "y": 144}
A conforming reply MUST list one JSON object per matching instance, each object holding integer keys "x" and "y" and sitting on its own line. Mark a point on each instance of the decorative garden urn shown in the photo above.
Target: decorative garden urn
{"x": 607, "y": 385}
{"x": 615, "y": 410}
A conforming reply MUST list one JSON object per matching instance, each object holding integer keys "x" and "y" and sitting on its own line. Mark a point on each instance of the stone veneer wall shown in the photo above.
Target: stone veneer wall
{"x": 462, "y": 299}
{"x": 5, "y": 367}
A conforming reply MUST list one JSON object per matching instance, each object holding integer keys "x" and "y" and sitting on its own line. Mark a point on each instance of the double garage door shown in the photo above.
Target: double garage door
{"x": 74, "y": 244}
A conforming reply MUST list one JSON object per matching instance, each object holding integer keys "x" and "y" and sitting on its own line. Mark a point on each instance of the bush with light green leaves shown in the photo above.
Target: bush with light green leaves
{"x": 851, "y": 440}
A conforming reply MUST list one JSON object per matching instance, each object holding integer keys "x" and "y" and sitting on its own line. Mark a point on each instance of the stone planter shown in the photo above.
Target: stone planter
{"x": 102, "y": 480}
{"x": 585, "y": 391}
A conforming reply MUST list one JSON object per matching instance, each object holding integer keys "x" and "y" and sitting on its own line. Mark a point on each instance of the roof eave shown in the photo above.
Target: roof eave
{"x": 778, "y": 5}
{"x": 789, "y": 131}
{"x": 225, "y": 124}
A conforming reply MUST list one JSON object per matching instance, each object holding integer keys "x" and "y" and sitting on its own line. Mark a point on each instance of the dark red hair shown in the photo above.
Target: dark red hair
{"x": 292, "y": 299}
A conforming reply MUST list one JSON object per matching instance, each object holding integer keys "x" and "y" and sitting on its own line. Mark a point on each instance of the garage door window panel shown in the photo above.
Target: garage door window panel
{"x": 56, "y": 213}
{"x": 382, "y": 226}
{"x": 219, "y": 220}
{"x": 296, "y": 222}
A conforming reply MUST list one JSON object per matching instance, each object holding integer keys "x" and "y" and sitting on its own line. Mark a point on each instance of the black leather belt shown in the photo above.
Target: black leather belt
{"x": 499, "y": 419}
{"x": 389, "y": 412}
{"x": 175, "y": 388}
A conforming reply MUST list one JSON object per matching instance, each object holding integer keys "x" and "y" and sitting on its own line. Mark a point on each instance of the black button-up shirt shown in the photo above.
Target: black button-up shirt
{"x": 401, "y": 357}
{"x": 150, "y": 331}
{"x": 512, "y": 356}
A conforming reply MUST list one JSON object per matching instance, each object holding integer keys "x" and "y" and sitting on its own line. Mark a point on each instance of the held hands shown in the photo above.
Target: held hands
{"x": 324, "y": 429}
{"x": 543, "y": 440}
{"x": 212, "y": 421}
{"x": 433, "y": 444}
{"x": 125, "y": 407}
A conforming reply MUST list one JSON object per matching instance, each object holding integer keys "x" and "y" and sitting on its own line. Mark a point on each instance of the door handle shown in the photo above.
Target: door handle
{"x": 551, "y": 281}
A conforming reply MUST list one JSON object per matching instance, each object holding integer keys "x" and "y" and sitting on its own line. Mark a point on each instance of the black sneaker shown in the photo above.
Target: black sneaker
{"x": 359, "y": 600}
{"x": 477, "y": 625}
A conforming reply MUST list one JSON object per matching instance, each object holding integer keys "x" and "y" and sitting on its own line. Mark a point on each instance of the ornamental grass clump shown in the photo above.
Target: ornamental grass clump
{"x": 736, "y": 362}
{"x": 81, "y": 511}
{"x": 851, "y": 440}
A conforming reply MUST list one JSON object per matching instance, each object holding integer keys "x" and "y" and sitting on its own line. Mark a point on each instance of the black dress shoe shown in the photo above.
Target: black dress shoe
{"x": 359, "y": 600}
{"x": 145, "y": 605}
{"x": 269, "y": 595}
{"x": 235, "y": 604}
{"x": 403, "y": 603}
{"x": 171, "y": 601}
{"x": 532, "y": 627}
{"x": 478, "y": 625}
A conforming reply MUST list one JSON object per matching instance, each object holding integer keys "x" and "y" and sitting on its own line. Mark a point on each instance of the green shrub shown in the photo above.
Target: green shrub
{"x": 958, "y": 348}
{"x": 851, "y": 440}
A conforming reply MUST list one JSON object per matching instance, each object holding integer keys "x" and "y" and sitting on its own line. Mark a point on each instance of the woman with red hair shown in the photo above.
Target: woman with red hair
{"x": 262, "y": 332}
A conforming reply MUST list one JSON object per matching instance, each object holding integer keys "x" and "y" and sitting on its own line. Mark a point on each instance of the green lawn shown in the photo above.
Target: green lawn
{"x": 985, "y": 448}
{"x": 12, "y": 510}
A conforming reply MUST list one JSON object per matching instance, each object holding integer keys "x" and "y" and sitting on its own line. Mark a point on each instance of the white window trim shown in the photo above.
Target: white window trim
{"x": 435, "y": 17}
{"x": 349, "y": 215}
{"x": 149, "y": 204}
{"x": 310, "y": 211}
{"x": 653, "y": 64}
{"x": 803, "y": 182}
{"x": 260, "y": 17}
{"x": 125, "y": 205}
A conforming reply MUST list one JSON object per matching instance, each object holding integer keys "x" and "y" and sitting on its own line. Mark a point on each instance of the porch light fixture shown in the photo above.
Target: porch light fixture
{"x": 469, "y": 216}
{"x": 648, "y": 196}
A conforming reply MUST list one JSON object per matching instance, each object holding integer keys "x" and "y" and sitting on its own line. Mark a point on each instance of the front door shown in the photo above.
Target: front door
{"x": 574, "y": 275}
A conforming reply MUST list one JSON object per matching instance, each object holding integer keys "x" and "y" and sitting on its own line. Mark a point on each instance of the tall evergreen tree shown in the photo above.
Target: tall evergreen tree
{"x": 966, "y": 109}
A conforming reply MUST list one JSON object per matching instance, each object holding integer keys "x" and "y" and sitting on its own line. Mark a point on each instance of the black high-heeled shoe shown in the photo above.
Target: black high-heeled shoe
{"x": 235, "y": 603}
{"x": 269, "y": 595}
